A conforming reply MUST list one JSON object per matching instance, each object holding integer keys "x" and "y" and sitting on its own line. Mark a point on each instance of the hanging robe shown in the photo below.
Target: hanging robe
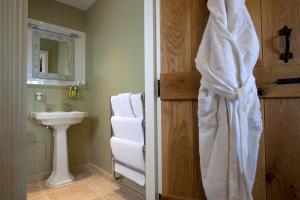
{"x": 229, "y": 115}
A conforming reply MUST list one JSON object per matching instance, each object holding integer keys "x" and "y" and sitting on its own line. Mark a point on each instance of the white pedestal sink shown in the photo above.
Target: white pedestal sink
{"x": 60, "y": 122}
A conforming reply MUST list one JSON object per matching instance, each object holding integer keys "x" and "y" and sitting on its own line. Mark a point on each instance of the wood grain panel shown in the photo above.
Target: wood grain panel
{"x": 184, "y": 86}
{"x": 12, "y": 99}
{"x": 180, "y": 84}
{"x": 179, "y": 43}
{"x": 276, "y": 14}
{"x": 178, "y": 151}
{"x": 175, "y": 36}
{"x": 270, "y": 74}
{"x": 282, "y": 130}
{"x": 259, "y": 188}
{"x": 266, "y": 78}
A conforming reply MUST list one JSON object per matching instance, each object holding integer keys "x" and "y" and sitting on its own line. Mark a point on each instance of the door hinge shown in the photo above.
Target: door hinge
{"x": 158, "y": 88}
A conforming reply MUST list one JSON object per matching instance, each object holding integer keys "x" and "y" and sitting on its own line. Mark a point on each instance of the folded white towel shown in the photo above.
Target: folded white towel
{"x": 137, "y": 105}
{"x": 128, "y": 152}
{"x": 130, "y": 174}
{"x": 121, "y": 105}
{"x": 128, "y": 128}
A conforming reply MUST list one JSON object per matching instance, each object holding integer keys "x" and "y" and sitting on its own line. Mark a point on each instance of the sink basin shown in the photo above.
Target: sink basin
{"x": 60, "y": 122}
{"x": 59, "y": 118}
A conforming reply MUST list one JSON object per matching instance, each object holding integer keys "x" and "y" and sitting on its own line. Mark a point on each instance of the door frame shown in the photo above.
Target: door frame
{"x": 12, "y": 130}
{"x": 158, "y": 103}
{"x": 151, "y": 97}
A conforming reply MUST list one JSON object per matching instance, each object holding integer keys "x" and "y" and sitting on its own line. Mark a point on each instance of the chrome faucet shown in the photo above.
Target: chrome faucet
{"x": 67, "y": 106}
{"x": 49, "y": 106}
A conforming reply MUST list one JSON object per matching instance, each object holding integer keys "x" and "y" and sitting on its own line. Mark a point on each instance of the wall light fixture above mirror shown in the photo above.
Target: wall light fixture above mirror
{"x": 56, "y": 55}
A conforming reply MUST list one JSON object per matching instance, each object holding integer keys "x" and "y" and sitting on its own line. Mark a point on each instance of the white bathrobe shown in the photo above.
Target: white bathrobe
{"x": 229, "y": 112}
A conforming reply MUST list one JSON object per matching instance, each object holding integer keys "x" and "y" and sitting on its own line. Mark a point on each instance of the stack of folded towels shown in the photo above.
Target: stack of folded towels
{"x": 127, "y": 143}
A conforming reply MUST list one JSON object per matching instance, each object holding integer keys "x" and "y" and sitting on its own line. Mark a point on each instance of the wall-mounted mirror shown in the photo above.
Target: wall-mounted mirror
{"x": 52, "y": 56}
{"x": 56, "y": 55}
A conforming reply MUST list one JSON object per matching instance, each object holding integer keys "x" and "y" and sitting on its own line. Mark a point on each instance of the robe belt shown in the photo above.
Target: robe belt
{"x": 233, "y": 94}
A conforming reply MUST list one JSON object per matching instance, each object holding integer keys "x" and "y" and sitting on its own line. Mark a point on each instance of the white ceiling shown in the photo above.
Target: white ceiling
{"x": 80, "y": 4}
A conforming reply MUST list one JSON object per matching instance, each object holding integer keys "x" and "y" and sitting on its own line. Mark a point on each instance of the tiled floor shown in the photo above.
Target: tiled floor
{"x": 88, "y": 186}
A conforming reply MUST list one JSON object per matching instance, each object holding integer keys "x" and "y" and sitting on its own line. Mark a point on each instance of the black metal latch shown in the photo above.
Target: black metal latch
{"x": 283, "y": 81}
{"x": 288, "y": 81}
{"x": 287, "y": 32}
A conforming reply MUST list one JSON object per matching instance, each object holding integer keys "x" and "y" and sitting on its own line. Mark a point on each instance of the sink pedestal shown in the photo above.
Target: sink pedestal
{"x": 60, "y": 122}
{"x": 60, "y": 174}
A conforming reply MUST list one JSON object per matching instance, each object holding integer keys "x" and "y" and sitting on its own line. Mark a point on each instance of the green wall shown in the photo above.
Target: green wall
{"x": 57, "y": 13}
{"x": 115, "y": 64}
{"x": 40, "y": 139}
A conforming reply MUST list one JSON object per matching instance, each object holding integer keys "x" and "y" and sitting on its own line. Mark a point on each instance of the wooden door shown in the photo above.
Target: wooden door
{"x": 282, "y": 103}
{"x": 182, "y": 25}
